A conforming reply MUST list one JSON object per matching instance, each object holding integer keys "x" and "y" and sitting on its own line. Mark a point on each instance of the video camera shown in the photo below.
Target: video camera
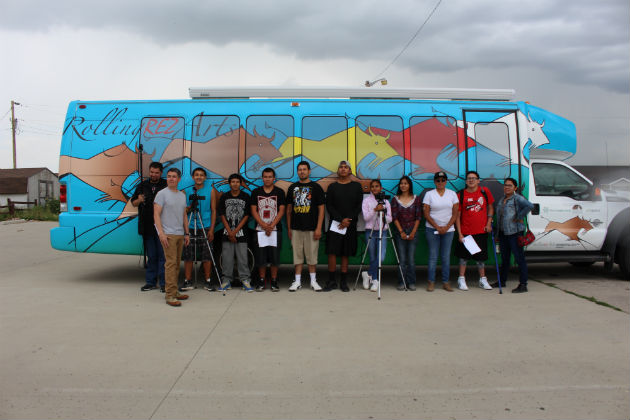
{"x": 381, "y": 197}
{"x": 194, "y": 201}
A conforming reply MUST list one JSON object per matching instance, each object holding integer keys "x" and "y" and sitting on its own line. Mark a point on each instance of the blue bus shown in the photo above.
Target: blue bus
{"x": 107, "y": 147}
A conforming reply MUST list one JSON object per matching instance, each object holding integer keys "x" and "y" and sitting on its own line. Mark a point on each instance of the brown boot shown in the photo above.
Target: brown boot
{"x": 431, "y": 286}
{"x": 447, "y": 287}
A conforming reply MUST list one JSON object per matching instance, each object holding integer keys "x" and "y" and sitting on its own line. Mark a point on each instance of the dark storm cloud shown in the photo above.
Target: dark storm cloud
{"x": 582, "y": 42}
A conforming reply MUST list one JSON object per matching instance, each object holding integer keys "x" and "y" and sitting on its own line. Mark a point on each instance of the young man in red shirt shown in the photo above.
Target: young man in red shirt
{"x": 475, "y": 219}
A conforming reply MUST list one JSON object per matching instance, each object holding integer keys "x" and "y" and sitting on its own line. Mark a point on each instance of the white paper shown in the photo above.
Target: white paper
{"x": 335, "y": 228}
{"x": 471, "y": 245}
{"x": 264, "y": 240}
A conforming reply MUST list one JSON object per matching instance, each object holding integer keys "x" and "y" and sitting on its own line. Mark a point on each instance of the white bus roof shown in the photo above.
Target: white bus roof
{"x": 337, "y": 92}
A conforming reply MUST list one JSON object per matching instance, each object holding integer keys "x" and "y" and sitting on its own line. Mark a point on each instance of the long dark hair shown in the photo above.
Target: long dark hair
{"x": 406, "y": 178}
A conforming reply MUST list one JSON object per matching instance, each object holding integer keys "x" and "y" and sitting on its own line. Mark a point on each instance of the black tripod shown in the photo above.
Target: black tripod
{"x": 196, "y": 221}
{"x": 381, "y": 223}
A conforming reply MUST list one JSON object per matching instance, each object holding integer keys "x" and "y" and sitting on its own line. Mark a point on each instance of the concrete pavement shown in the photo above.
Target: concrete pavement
{"x": 80, "y": 340}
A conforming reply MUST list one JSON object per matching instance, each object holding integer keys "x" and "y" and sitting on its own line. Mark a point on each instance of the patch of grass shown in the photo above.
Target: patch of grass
{"x": 589, "y": 298}
{"x": 34, "y": 213}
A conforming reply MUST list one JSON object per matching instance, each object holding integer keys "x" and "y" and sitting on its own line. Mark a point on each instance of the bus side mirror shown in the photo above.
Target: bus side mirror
{"x": 536, "y": 209}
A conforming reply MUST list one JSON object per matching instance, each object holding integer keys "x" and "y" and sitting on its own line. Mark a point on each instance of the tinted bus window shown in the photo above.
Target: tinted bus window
{"x": 492, "y": 149}
{"x": 433, "y": 147}
{"x": 215, "y": 140}
{"x": 379, "y": 147}
{"x": 162, "y": 140}
{"x": 269, "y": 143}
{"x": 324, "y": 144}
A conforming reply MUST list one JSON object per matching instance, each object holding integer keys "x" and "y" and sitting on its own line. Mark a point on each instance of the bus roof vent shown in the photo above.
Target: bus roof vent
{"x": 350, "y": 93}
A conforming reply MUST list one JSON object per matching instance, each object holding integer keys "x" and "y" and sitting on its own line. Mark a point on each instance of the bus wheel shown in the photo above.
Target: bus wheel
{"x": 624, "y": 260}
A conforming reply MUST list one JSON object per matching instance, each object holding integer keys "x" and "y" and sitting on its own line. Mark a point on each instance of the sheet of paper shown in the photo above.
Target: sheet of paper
{"x": 264, "y": 240}
{"x": 335, "y": 228}
{"x": 471, "y": 245}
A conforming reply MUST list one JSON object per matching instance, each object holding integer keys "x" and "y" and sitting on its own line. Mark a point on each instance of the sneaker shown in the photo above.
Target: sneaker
{"x": 447, "y": 287}
{"x": 461, "y": 283}
{"x": 496, "y": 284}
{"x": 209, "y": 287}
{"x": 274, "y": 286}
{"x": 374, "y": 287}
{"x": 187, "y": 285}
{"x": 147, "y": 287}
{"x": 297, "y": 284}
{"x": 483, "y": 283}
{"x": 162, "y": 289}
{"x": 247, "y": 287}
{"x": 260, "y": 287}
{"x": 315, "y": 286}
{"x": 367, "y": 279}
{"x": 400, "y": 287}
{"x": 431, "y": 286}
{"x": 411, "y": 287}
{"x": 225, "y": 286}
{"x": 522, "y": 288}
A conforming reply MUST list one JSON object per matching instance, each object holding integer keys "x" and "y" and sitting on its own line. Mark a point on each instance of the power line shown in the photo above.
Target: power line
{"x": 410, "y": 41}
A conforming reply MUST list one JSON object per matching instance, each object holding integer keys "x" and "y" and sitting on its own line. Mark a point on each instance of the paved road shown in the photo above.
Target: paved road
{"x": 80, "y": 340}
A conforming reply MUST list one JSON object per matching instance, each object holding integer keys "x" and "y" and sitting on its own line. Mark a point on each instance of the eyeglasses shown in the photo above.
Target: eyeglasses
{"x": 440, "y": 180}
{"x": 472, "y": 179}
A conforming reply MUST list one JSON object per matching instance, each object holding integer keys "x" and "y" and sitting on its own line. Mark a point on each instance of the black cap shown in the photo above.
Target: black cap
{"x": 440, "y": 175}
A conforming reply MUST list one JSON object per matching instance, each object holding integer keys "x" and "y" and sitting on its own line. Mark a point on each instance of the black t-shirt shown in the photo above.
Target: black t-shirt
{"x": 344, "y": 201}
{"x": 234, "y": 209}
{"x": 268, "y": 204}
{"x": 305, "y": 199}
{"x": 145, "y": 210}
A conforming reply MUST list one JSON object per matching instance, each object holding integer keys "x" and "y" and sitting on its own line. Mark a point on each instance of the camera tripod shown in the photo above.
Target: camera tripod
{"x": 380, "y": 246}
{"x": 195, "y": 220}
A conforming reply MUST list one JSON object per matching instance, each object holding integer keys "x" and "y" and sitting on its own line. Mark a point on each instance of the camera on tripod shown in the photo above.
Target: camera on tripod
{"x": 194, "y": 201}
{"x": 381, "y": 197}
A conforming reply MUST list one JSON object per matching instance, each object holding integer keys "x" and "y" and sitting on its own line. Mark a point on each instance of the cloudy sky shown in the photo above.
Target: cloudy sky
{"x": 571, "y": 57}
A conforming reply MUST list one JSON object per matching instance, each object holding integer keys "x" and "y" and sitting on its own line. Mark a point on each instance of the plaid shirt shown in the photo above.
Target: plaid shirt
{"x": 407, "y": 216}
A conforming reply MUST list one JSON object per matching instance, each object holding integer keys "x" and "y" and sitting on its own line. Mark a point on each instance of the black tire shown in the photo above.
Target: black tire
{"x": 582, "y": 264}
{"x": 624, "y": 260}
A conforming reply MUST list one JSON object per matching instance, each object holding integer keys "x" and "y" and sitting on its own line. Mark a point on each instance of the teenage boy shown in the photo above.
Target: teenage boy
{"x": 267, "y": 207}
{"x": 305, "y": 215}
{"x": 199, "y": 198}
{"x": 234, "y": 212}
{"x": 474, "y": 217}
{"x": 343, "y": 202}
{"x": 143, "y": 199}
{"x": 169, "y": 212}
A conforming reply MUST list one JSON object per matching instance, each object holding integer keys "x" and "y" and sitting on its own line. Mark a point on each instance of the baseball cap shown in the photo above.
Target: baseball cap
{"x": 440, "y": 175}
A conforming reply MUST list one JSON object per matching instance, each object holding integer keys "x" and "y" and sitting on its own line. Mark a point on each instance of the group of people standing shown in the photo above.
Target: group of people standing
{"x": 168, "y": 216}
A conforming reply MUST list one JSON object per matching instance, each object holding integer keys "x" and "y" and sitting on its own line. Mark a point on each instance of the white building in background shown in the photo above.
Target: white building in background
{"x": 28, "y": 184}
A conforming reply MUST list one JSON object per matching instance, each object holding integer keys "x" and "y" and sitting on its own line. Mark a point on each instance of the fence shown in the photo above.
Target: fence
{"x": 11, "y": 205}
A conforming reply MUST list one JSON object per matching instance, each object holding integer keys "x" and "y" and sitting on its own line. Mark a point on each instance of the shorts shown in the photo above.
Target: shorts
{"x": 268, "y": 254}
{"x": 304, "y": 246}
{"x": 482, "y": 242}
{"x": 203, "y": 253}
{"x": 342, "y": 245}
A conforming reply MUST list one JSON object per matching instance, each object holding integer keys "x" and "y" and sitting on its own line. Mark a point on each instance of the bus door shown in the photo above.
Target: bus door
{"x": 492, "y": 146}
{"x": 569, "y": 213}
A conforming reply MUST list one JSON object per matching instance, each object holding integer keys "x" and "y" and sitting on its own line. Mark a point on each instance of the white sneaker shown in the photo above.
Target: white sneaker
{"x": 461, "y": 283}
{"x": 367, "y": 279}
{"x": 297, "y": 284}
{"x": 315, "y": 286}
{"x": 483, "y": 283}
{"x": 374, "y": 287}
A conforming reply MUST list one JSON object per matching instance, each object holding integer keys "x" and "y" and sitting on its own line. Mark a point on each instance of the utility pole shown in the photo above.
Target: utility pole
{"x": 13, "y": 128}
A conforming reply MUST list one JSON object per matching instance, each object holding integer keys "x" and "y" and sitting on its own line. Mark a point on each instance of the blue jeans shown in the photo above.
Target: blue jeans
{"x": 373, "y": 250}
{"x": 439, "y": 245}
{"x": 155, "y": 260}
{"x": 508, "y": 244}
{"x": 406, "y": 253}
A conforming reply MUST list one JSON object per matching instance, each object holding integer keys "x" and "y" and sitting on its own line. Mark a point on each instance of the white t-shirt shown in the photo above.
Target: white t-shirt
{"x": 441, "y": 207}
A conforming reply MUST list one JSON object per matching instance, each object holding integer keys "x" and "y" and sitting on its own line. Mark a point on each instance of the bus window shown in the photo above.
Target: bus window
{"x": 379, "y": 147}
{"x": 269, "y": 143}
{"x": 324, "y": 144}
{"x": 492, "y": 150}
{"x": 162, "y": 140}
{"x": 215, "y": 140}
{"x": 433, "y": 147}
{"x": 556, "y": 180}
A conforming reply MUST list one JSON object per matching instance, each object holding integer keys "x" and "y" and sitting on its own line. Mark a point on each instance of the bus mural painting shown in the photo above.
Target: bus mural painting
{"x": 399, "y": 132}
